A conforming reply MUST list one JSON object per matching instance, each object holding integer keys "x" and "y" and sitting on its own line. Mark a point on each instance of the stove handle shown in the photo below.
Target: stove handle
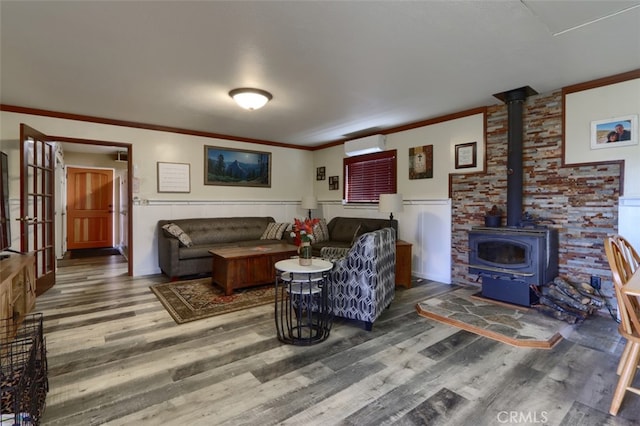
{"x": 501, "y": 270}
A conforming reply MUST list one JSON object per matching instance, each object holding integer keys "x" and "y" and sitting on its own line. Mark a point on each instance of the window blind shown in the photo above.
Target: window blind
{"x": 368, "y": 176}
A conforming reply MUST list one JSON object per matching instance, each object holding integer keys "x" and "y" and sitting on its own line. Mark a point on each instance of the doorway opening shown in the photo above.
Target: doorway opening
{"x": 93, "y": 200}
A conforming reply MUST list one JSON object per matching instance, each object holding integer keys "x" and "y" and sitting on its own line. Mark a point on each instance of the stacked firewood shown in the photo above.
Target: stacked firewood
{"x": 566, "y": 301}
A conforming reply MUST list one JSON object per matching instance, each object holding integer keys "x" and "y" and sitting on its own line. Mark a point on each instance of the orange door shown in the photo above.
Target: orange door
{"x": 89, "y": 208}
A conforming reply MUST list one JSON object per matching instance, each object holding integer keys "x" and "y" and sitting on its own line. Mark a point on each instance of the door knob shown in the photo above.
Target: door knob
{"x": 27, "y": 219}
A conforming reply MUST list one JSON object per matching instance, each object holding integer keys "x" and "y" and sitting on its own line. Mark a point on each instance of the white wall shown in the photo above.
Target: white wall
{"x": 291, "y": 174}
{"x": 607, "y": 102}
{"x": 443, "y": 136}
{"x": 629, "y": 218}
{"x": 12, "y": 149}
{"x": 426, "y": 219}
{"x": 291, "y": 168}
{"x": 426, "y": 224}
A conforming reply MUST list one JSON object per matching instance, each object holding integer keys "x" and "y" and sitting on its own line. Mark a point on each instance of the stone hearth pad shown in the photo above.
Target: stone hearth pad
{"x": 513, "y": 325}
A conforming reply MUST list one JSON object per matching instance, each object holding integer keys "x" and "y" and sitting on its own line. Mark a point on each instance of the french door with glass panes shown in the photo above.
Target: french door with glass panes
{"x": 37, "y": 157}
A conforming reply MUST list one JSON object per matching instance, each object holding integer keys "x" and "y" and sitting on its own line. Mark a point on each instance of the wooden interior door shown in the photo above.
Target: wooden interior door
{"x": 89, "y": 208}
{"x": 37, "y": 223}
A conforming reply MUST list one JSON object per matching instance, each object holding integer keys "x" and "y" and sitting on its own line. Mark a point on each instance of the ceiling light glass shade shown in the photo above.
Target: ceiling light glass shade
{"x": 251, "y": 99}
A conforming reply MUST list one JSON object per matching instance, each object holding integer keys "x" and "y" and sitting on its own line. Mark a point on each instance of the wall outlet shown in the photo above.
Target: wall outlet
{"x": 595, "y": 282}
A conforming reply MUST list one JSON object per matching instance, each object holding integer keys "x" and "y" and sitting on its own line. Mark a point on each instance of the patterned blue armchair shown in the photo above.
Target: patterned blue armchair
{"x": 363, "y": 277}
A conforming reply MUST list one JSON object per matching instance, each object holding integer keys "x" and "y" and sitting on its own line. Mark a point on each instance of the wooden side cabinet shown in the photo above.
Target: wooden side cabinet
{"x": 403, "y": 263}
{"x": 17, "y": 290}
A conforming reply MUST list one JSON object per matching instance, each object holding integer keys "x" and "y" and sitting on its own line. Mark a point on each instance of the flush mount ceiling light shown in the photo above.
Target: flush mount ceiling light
{"x": 250, "y": 99}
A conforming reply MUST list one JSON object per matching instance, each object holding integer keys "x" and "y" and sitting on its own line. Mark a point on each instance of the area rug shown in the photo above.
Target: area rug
{"x": 192, "y": 300}
{"x": 506, "y": 323}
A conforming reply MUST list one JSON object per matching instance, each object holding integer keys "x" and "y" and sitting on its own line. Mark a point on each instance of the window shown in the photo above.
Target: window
{"x": 368, "y": 176}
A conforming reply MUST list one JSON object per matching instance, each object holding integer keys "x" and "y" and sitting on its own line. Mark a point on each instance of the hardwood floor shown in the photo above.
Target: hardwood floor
{"x": 116, "y": 357}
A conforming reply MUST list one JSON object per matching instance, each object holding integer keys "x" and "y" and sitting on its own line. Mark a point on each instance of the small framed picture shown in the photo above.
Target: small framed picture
{"x": 320, "y": 173}
{"x": 334, "y": 182}
{"x": 174, "y": 177}
{"x": 466, "y": 155}
{"x": 421, "y": 162}
{"x": 614, "y": 132}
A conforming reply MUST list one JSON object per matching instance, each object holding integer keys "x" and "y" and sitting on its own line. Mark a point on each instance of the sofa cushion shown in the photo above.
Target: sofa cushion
{"x": 321, "y": 231}
{"x": 317, "y": 247}
{"x": 333, "y": 253}
{"x": 372, "y": 224}
{"x": 175, "y": 231}
{"x": 274, "y": 231}
{"x": 194, "y": 252}
{"x": 344, "y": 230}
{"x": 224, "y": 229}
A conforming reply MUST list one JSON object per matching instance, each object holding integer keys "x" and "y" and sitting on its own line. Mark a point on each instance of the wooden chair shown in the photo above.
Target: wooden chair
{"x": 629, "y": 253}
{"x": 629, "y": 309}
{"x": 632, "y": 260}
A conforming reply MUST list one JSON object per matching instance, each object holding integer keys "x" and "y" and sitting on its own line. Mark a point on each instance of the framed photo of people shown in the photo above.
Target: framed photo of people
{"x": 614, "y": 132}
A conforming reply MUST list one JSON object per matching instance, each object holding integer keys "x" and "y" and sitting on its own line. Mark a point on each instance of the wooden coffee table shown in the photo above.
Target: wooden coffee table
{"x": 238, "y": 267}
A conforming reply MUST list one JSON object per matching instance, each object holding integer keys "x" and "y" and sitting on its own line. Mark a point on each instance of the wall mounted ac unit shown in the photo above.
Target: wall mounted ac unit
{"x": 366, "y": 145}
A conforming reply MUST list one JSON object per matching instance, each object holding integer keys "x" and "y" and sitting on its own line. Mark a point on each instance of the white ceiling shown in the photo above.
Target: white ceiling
{"x": 334, "y": 68}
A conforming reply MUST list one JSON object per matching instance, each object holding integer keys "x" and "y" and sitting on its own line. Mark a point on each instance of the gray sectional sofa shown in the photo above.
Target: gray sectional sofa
{"x": 176, "y": 260}
{"x": 344, "y": 231}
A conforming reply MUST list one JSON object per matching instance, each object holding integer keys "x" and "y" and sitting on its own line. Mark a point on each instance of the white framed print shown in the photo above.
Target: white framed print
{"x": 614, "y": 132}
{"x": 174, "y": 177}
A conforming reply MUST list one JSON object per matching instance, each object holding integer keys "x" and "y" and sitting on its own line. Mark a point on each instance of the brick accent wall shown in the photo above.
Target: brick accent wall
{"x": 580, "y": 200}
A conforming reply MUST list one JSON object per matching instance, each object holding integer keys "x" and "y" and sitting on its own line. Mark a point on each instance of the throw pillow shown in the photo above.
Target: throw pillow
{"x": 274, "y": 231}
{"x": 356, "y": 234}
{"x": 321, "y": 231}
{"x": 175, "y": 231}
{"x": 361, "y": 229}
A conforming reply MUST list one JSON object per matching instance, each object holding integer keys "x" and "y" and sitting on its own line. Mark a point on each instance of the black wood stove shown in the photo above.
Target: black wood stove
{"x": 511, "y": 259}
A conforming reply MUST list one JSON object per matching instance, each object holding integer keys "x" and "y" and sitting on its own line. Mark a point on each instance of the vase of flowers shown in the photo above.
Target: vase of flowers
{"x": 304, "y": 253}
{"x": 302, "y": 235}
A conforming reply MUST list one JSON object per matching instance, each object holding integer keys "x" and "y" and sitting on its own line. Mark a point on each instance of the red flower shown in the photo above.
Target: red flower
{"x": 303, "y": 231}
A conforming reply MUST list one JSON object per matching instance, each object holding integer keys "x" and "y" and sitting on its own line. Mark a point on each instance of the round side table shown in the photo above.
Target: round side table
{"x": 303, "y": 311}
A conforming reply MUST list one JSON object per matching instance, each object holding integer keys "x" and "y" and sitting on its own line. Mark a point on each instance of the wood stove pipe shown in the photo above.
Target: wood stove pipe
{"x": 515, "y": 108}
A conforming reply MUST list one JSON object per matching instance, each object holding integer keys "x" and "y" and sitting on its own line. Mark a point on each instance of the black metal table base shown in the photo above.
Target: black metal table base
{"x": 303, "y": 314}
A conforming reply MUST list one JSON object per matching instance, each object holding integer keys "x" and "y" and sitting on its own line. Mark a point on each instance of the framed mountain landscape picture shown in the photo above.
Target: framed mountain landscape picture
{"x": 236, "y": 167}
